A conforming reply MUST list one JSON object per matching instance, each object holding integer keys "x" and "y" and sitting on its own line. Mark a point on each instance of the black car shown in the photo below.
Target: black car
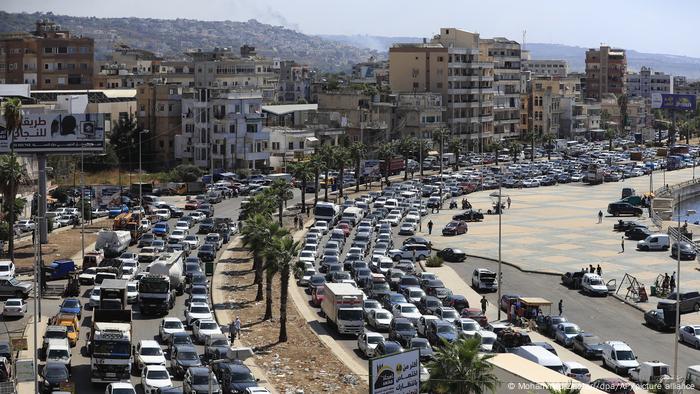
{"x": 206, "y": 226}
{"x": 687, "y": 251}
{"x": 588, "y": 345}
{"x": 54, "y": 373}
{"x": 547, "y": 324}
{"x": 199, "y": 278}
{"x": 638, "y": 233}
{"x": 623, "y": 208}
{"x": 659, "y": 319}
{"x": 388, "y": 347}
{"x": 572, "y": 280}
{"x": 418, "y": 240}
{"x": 452, "y": 255}
{"x": 179, "y": 339}
{"x": 624, "y": 225}
{"x": 182, "y": 358}
{"x": 440, "y": 331}
{"x": 455, "y": 227}
{"x": 199, "y": 381}
{"x": 216, "y": 347}
{"x": 408, "y": 281}
{"x": 423, "y": 346}
{"x": 469, "y": 216}
{"x": 233, "y": 376}
{"x": 207, "y": 252}
{"x": 192, "y": 268}
{"x": 402, "y": 330}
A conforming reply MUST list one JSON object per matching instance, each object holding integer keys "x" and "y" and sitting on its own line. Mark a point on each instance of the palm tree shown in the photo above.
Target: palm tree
{"x": 271, "y": 266}
{"x": 341, "y": 159}
{"x": 281, "y": 191}
{"x": 358, "y": 151}
{"x": 622, "y": 103}
{"x": 458, "y": 368}
{"x": 302, "y": 172}
{"x": 423, "y": 149}
{"x": 547, "y": 138}
{"x": 455, "y": 146}
{"x": 12, "y": 112}
{"x": 255, "y": 234}
{"x": 327, "y": 154}
{"x": 386, "y": 152}
{"x": 610, "y": 135}
{"x": 515, "y": 148}
{"x": 284, "y": 249}
{"x": 531, "y": 138}
{"x": 406, "y": 148}
{"x": 439, "y": 139}
{"x": 317, "y": 166}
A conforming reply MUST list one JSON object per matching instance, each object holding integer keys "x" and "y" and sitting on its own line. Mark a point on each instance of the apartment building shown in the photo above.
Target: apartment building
{"x": 549, "y": 96}
{"x": 47, "y": 58}
{"x": 294, "y": 82}
{"x": 371, "y": 72}
{"x": 546, "y": 68}
{"x": 223, "y": 128}
{"x": 646, "y": 82}
{"x": 289, "y": 145}
{"x": 452, "y": 66}
{"x": 127, "y": 68}
{"x": 606, "y": 71}
{"x": 222, "y": 69}
{"x": 506, "y": 57}
{"x": 160, "y": 112}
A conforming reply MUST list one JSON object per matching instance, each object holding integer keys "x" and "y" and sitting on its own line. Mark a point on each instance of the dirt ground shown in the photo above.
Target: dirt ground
{"x": 62, "y": 245}
{"x": 303, "y": 362}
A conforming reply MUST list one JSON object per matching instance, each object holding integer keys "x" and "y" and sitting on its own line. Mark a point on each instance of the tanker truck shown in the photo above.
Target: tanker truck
{"x": 165, "y": 280}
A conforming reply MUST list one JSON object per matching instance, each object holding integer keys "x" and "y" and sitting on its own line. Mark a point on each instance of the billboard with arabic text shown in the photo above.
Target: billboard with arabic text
{"x": 679, "y": 102}
{"x": 55, "y": 132}
{"x": 397, "y": 373}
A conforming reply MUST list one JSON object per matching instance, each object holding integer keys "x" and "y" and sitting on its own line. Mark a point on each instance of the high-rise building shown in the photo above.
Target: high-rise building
{"x": 506, "y": 57}
{"x": 452, "y": 66}
{"x": 646, "y": 82}
{"x": 294, "y": 82}
{"x": 547, "y": 97}
{"x": 606, "y": 69}
{"x": 47, "y": 58}
{"x": 160, "y": 112}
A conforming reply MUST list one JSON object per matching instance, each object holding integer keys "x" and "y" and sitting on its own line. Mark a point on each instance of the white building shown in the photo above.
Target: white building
{"x": 646, "y": 82}
{"x": 547, "y": 68}
{"x": 226, "y": 127}
{"x": 287, "y": 145}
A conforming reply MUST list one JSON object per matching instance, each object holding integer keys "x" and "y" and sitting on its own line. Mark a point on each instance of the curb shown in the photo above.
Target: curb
{"x": 633, "y": 305}
{"x": 519, "y": 268}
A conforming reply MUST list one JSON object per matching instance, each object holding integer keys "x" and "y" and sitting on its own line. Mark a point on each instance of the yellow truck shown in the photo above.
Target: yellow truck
{"x": 71, "y": 322}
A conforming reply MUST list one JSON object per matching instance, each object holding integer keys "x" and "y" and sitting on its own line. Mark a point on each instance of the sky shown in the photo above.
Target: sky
{"x": 644, "y": 25}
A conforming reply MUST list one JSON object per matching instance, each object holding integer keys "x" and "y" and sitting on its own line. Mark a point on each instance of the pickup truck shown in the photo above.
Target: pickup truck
{"x": 11, "y": 287}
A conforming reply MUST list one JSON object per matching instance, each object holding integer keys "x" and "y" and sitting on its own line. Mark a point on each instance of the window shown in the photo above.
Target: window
{"x": 84, "y": 50}
{"x": 70, "y": 66}
{"x": 290, "y": 146}
{"x": 440, "y": 58}
{"x": 232, "y": 128}
{"x": 142, "y": 107}
{"x": 161, "y": 107}
{"x": 48, "y": 50}
{"x": 439, "y": 85}
{"x": 47, "y": 81}
{"x": 251, "y": 128}
{"x": 83, "y": 66}
{"x": 415, "y": 85}
{"x": 72, "y": 49}
{"x": 275, "y": 146}
{"x": 61, "y": 81}
{"x": 170, "y": 107}
{"x": 301, "y": 144}
{"x": 62, "y": 50}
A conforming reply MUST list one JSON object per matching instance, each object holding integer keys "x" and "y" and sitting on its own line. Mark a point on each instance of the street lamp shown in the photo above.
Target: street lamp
{"x": 140, "y": 168}
{"x": 500, "y": 211}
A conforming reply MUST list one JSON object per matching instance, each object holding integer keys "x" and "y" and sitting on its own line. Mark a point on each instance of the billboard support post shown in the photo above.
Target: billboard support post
{"x": 41, "y": 204}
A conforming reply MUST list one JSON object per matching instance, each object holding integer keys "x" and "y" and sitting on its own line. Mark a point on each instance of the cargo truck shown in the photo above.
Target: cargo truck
{"x": 342, "y": 305}
{"x": 113, "y": 243}
{"x": 165, "y": 279}
{"x": 594, "y": 174}
{"x": 109, "y": 346}
{"x": 113, "y": 294}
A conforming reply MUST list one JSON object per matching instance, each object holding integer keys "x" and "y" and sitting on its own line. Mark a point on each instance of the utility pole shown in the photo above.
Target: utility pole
{"x": 678, "y": 296}
{"x": 140, "y": 168}
{"x": 82, "y": 202}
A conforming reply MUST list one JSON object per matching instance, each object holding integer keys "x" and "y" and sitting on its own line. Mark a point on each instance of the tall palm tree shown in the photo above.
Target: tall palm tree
{"x": 531, "y": 137}
{"x": 423, "y": 149}
{"x": 302, "y": 172}
{"x": 455, "y": 146}
{"x": 12, "y": 112}
{"x": 281, "y": 191}
{"x": 515, "y": 148}
{"x": 341, "y": 158}
{"x": 271, "y": 267}
{"x": 406, "y": 148}
{"x": 458, "y": 368}
{"x": 386, "y": 152}
{"x": 547, "y": 139}
{"x": 284, "y": 249}
{"x": 327, "y": 155}
{"x": 358, "y": 151}
{"x": 255, "y": 235}
{"x": 439, "y": 140}
{"x": 610, "y": 135}
{"x": 317, "y": 166}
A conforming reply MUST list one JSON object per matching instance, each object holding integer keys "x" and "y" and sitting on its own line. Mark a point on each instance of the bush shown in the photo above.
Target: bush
{"x": 185, "y": 173}
{"x": 434, "y": 261}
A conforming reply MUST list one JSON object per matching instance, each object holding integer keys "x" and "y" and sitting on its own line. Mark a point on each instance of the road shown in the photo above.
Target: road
{"x": 606, "y": 317}
{"x": 144, "y": 327}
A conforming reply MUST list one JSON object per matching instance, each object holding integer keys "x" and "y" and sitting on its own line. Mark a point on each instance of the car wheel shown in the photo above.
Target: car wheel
{"x": 696, "y": 307}
{"x": 697, "y": 345}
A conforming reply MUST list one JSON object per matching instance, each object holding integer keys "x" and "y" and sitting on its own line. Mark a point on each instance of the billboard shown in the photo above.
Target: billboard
{"x": 397, "y": 373}
{"x": 55, "y": 132}
{"x": 680, "y": 102}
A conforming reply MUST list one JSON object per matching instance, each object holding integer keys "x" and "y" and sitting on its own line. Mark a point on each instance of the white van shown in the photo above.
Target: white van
{"x": 353, "y": 215}
{"x": 619, "y": 357}
{"x": 391, "y": 203}
{"x": 577, "y": 371}
{"x": 655, "y": 242}
{"x": 541, "y": 356}
{"x": 593, "y": 284}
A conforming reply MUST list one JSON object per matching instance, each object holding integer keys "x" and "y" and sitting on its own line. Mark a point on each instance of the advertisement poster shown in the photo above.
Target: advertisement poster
{"x": 397, "y": 373}
{"x": 55, "y": 132}
{"x": 679, "y": 102}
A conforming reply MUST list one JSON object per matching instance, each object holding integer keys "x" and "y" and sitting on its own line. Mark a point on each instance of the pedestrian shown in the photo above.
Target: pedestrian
{"x": 508, "y": 201}
{"x": 622, "y": 244}
{"x": 484, "y": 302}
{"x": 296, "y": 221}
{"x": 665, "y": 282}
{"x": 561, "y": 307}
{"x": 591, "y": 269}
{"x": 308, "y": 210}
{"x": 430, "y": 227}
{"x": 232, "y": 332}
{"x": 600, "y": 217}
{"x": 599, "y": 270}
{"x": 237, "y": 326}
{"x": 33, "y": 236}
{"x": 672, "y": 282}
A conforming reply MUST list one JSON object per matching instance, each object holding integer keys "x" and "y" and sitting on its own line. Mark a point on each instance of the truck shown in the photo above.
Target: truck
{"x": 59, "y": 269}
{"x": 650, "y": 372}
{"x": 109, "y": 346}
{"x": 594, "y": 174}
{"x": 395, "y": 166}
{"x": 142, "y": 188}
{"x": 165, "y": 279}
{"x": 185, "y": 188}
{"x": 113, "y": 294}
{"x": 674, "y": 162}
{"x": 93, "y": 258}
{"x": 342, "y": 306}
{"x": 327, "y": 211}
{"x": 113, "y": 243}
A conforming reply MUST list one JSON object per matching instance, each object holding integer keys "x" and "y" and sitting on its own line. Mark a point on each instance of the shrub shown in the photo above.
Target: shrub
{"x": 434, "y": 261}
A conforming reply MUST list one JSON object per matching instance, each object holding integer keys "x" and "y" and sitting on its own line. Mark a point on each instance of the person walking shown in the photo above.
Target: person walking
{"x": 508, "y": 202}
{"x": 237, "y": 326}
{"x": 484, "y": 302}
{"x": 561, "y": 307}
{"x": 672, "y": 282}
{"x": 430, "y": 227}
{"x": 622, "y": 244}
{"x": 600, "y": 217}
{"x": 665, "y": 282}
{"x": 591, "y": 269}
{"x": 232, "y": 332}
{"x": 599, "y": 270}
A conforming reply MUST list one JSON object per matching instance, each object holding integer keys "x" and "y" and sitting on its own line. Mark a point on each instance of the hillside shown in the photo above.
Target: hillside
{"x": 575, "y": 56}
{"x": 170, "y": 38}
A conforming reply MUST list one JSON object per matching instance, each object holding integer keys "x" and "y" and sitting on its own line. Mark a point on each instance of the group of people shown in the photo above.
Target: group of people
{"x": 668, "y": 282}
{"x": 592, "y": 270}
{"x": 299, "y": 221}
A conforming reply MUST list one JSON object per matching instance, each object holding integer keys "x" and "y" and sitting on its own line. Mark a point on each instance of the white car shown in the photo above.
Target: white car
{"x": 129, "y": 257}
{"x": 148, "y": 352}
{"x": 192, "y": 240}
{"x": 216, "y": 239}
{"x": 577, "y": 371}
{"x": 407, "y": 229}
{"x": 322, "y": 226}
{"x": 7, "y": 269}
{"x": 423, "y": 323}
{"x": 196, "y": 311}
{"x": 58, "y": 350}
{"x": 169, "y": 326}
{"x": 132, "y": 292}
{"x": 163, "y": 214}
{"x": 197, "y": 216}
{"x": 120, "y": 388}
{"x": 128, "y": 273}
{"x": 95, "y": 297}
{"x": 407, "y": 310}
{"x": 368, "y": 341}
{"x": 179, "y": 234}
{"x": 182, "y": 225}
{"x": 369, "y": 305}
{"x": 14, "y": 307}
{"x": 154, "y": 377}
{"x": 257, "y": 390}
{"x": 87, "y": 277}
{"x": 203, "y": 328}
{"x": 393, "y": 219}
{"x": 690, "y": 335}
{"x": 306, "y": 276}
{"x": 487, "y": 339}
{"x": 307, "y": 256}
{"x": 467, "y": 327}
{"x": 25, "y": 225}
{"x": 379, "y": 319}
{"x": 145, "y": 224}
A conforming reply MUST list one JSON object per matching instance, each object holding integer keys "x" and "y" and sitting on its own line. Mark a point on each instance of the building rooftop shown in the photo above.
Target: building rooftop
{"x": 289, "y": 108}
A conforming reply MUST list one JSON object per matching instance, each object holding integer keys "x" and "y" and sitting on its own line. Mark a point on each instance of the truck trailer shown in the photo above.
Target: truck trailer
{"x": 165, "y": 279}
{"x": 342, "y": 305}
{"x": 114, "y": 243}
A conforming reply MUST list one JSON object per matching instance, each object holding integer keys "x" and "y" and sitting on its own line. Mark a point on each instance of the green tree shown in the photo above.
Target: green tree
{"x": 570, "y": 389}
{"x": 610, "y": 134}
{"x": 531, "y": 138}
{"x": 124, "y": 139}
{"x": 285, "y": 250}
{"x": 547, "y": 139}
{"x": 358, "y": 151}
{"x": 385, "y": 152}
{"x": 423, "y": 149}
{"x": 327, "y": 156}
{"x": 271, "y": 267}
{"x": 317, "y": 165}
{"x": 515, "y": 148}
{"x": 185, "y": 173}
{"x": 457, "y": 368}
{"x": 303, "y": 173}
{"x": 281, "y": 191}
{"x": 341, "y": 157}
{"x": 11, "y": 172}
{"x": 255, "y": 236}
{"x": 455, "y": 146}
{"x": 439, "y": 140}
{"x": 406, "y": 148}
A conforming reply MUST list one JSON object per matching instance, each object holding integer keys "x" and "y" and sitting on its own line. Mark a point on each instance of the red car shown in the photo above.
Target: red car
{"x": 345, "y": 227}
{"x": 317, "y": 295}
{"x": 191, "y": 205}
{"x": 455, "y": 227}
{"x": 475, "y": 314}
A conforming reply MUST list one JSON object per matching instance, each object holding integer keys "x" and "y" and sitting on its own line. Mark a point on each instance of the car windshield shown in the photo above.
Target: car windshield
{"x": 449, "y": 314}
{"x": 13, "y": 303}
{"x": 4, "y": 268}
{"x": 596, "y": 282}
{"x": 432, "y": 303}
{"x": 403, "y": 326}
{"x": 207, "y": 248}
{"x": 382, "y": 315}
{"x": 208, "y": 326}
{"x": 219, "y": 342}
{"x": 71, "y": 303}
{"x": 199, "y": 380}
{"x": 242, "y": 377}
{"x": 122, "y": 391}
{"x": 199, "y": 309}
{"x": 419, "y": 344}
{"x": 172, "y": 324}
{"x": 350, "y": 314}
{"x": 571, "y": 330}
{"x": 369, "y": 304}
{"x": 625, "y": 355}
{"x": 187, "y": 355}
{"x": 375, "y": 340}
{"x": 157, "y": 375}
{"x": 380, "y": 286}
{"x": 55, "y": 334}
{"x": 445, "y": 329}
{"x": 409, "y": 309}
{"x": 56, "y": 372}
{"x": 469, "y": 326}
{"x": 151, "y": 351}
{"x": 57, "y": 354}
{"x": 488, "y": 340}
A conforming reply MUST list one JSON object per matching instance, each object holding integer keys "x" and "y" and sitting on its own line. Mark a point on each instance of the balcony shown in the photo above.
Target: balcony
{"x": 255, "y": 116}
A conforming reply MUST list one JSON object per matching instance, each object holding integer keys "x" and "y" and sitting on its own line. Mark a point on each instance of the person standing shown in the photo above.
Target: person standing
{"x": 561, "y": 307}
{"x": 508, "y": 202}
{"x": 484, "y": 302}
{"x": 591, "y": 269}
{"x": 237, "y": 326}
{"x": 599, "y": 270}
{"x": 672, "y": 282}
{"x": 296, "y": 221}
{"x": 430, "y": 227}
{"x": 622, "y": 244}
{"x": 600, "y": 217}
{"x": 232, "y": 332}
